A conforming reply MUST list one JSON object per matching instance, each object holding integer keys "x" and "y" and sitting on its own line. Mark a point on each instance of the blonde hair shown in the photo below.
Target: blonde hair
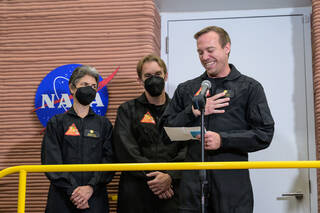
{"x": 149, "y": 58}
{"x": 223, "y": 35}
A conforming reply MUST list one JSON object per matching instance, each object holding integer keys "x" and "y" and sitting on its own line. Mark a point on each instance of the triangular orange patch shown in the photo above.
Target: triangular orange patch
{"x": 147, "y": 118}
{"x": 72, "y": 131}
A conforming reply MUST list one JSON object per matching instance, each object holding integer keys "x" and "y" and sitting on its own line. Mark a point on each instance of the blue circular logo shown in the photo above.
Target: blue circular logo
{"x": 53, "y": 95}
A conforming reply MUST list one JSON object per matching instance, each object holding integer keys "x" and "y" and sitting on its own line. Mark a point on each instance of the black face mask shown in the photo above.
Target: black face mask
{"x": 85, "y": 95}
{"x": 154, "y": 85}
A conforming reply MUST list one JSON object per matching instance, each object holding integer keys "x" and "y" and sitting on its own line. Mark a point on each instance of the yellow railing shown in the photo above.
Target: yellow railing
{"x": 23, "y": 170}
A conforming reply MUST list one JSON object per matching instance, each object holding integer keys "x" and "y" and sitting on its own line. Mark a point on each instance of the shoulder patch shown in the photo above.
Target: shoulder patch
{"x": 198, "y": 92}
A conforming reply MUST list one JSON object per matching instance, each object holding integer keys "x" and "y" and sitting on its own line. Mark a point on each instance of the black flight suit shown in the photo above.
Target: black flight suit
{"x": 246, "y": 126}
{"x": 137, "y": 140}
{"x": 70, "y": 139}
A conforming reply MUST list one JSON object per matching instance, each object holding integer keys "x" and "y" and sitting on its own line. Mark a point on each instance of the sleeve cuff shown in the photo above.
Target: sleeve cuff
{"x": 191, "y": 117}
{"x": 224, "y": 140}
{"x": 174, "y": 174}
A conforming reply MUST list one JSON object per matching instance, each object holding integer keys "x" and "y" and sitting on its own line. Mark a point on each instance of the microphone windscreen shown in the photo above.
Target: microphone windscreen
{"x": 206, "y": 83}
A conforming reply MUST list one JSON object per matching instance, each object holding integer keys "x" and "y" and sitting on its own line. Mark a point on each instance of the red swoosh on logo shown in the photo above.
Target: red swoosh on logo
{"x": 102, "y": 84}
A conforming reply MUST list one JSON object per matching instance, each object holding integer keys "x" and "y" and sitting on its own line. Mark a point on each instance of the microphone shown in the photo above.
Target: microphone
{"x": 205, "y": 86}
{"x": 199, "y": 101}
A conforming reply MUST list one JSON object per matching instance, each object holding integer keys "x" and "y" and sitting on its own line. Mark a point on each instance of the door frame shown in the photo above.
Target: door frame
{"x": 306, "y": 12}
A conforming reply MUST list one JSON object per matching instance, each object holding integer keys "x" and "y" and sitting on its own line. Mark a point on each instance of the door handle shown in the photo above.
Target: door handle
{"x": 297, "y": 195}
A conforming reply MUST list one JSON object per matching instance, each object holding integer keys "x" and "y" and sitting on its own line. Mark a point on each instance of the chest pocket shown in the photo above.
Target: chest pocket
{"x": 229, "y": 93}
{"x": 146, "y": 134}
{"x": 92, "y": 139}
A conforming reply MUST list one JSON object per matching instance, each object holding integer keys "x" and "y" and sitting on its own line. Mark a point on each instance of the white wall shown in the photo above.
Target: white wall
{"x": 166, "y": 17}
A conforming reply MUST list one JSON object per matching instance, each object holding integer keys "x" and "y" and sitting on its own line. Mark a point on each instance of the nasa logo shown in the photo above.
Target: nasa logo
{"x": 53, "y": 95}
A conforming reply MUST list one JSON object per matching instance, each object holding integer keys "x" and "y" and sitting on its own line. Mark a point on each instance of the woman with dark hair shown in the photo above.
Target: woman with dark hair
{"x": 78, "y": 136}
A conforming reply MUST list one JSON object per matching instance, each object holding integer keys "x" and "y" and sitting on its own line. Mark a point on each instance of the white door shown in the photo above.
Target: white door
{"x": 270, "y": 49}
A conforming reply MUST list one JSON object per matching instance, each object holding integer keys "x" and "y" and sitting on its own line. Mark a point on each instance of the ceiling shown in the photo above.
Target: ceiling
{"x": 215, "y": 5}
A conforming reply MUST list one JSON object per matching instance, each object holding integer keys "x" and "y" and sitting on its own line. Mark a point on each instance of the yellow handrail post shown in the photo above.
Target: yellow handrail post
{"x": 22, "y": 191}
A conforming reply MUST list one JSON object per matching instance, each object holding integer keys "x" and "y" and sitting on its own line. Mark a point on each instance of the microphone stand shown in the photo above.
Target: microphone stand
{"x": 199, "y": 102}
{"x": 203, "y": 173}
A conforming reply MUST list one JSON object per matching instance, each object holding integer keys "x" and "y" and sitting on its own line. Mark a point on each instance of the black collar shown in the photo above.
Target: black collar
{"x": 71, "y": 111}
{"x": 234, "y": 73}
{"x": 143, "y": 99}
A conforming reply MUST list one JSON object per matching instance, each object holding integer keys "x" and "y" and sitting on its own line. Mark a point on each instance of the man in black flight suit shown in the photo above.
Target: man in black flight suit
{"x": 237, "y": 121}
{"x": 137, "y": 140}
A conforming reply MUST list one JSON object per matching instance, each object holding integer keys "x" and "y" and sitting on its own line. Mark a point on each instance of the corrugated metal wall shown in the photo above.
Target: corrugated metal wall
{"x": 36, "y": 36}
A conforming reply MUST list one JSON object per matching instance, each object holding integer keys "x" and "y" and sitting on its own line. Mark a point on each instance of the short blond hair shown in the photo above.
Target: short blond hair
{"x": 224, "y": 38}
{"x": 149, "y": 58}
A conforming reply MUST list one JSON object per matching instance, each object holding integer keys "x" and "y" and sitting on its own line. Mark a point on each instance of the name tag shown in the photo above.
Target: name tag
{"x": 228, "y": 92}
{"x": 91, "y": 133}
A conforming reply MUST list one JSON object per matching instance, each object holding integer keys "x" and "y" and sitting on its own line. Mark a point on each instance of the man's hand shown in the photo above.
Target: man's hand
{"x": 212, "y": 141}
{"x": 213, "y": 105}
{"x": 167, "y": 194}
{"x": 161, "y": 182}
{"x": 81, "y": 195}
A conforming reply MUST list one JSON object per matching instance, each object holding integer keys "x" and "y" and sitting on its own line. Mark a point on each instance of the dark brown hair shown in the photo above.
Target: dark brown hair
{"x": 81, "y": 71}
